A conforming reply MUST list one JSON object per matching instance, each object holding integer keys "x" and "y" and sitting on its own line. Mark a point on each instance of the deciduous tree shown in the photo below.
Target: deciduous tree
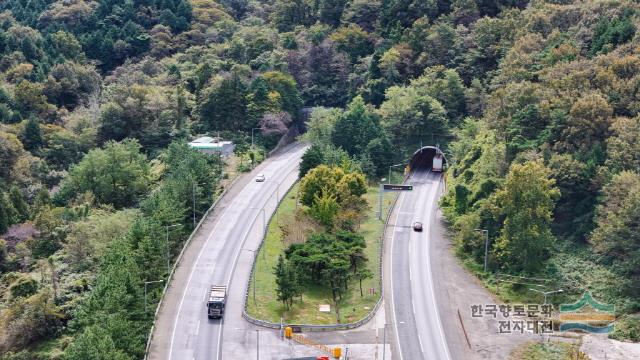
{"x": 526, "y": 204}
{"x": 117, "y": 175}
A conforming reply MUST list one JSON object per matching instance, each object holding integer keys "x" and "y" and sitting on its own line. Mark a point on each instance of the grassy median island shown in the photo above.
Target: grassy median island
{"x": 290, "y": 227}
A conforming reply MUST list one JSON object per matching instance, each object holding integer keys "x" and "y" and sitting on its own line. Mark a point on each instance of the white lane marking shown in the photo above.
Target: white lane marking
{"x": 421, "y": 348}
{"x": 428, "y": 264}
{"x": 244, "y": 237}
{"x": 193, "y": 268}
{"x": 393, "y": 302}
{"x": 237, "y": 255}
{"x": 197, "y": 328}
{"x": 184, "y": 294}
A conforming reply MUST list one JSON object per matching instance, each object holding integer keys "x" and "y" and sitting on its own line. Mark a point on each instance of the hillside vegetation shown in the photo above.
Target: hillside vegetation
{"x": 536, "y": 102}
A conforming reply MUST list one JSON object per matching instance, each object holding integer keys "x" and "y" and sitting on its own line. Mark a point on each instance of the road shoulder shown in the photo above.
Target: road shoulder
{"x": 457, "y": 291}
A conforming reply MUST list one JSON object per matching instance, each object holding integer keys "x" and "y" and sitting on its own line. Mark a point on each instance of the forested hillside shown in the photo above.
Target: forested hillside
{"x": 535, "y": 101}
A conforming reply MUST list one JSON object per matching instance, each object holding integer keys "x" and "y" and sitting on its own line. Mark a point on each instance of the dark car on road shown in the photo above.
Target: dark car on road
{"x": 417, "y": 226}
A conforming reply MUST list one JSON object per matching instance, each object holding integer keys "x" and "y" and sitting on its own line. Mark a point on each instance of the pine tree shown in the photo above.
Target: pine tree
{"x": 287, "y": 282}
{"x": 313, "y": 157}
{"x": 281, "y": 281}
{"x": 5, "y": 220}
{"x": 31, "y": 136}
{"x": 42, "y": 201}
{"x": 21, "y": 207}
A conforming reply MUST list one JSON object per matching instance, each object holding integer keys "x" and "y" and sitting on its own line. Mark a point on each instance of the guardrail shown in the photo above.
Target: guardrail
{"x": 313, "y": 327}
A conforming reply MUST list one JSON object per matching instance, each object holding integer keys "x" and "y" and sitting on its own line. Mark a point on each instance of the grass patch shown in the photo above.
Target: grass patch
{"x": 352, "y": 307}
{"x": 507, "y": 292}
{"x": 548, "y": 351}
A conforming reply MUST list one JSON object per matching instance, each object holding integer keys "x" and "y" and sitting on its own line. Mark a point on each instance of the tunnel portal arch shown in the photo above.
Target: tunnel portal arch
{"x": 423, "y": 157}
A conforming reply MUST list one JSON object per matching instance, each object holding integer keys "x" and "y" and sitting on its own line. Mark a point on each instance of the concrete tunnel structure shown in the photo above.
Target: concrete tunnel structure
{"x": 423, "y": 158}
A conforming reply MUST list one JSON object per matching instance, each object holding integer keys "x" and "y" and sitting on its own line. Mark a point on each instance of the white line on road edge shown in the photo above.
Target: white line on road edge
{"x": 433, "y": 297}
{"x": 244, "y": 240}
{"x": 237, "y": 255}
{"x": 393, "y": 303}
{"x": 193, "y": 269}
{"x": 224, "y": 212}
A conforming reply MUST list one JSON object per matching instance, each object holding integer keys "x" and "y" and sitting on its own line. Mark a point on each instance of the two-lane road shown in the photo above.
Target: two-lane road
{"x": 416, "y": 321}
{"x": 183, "y": 330}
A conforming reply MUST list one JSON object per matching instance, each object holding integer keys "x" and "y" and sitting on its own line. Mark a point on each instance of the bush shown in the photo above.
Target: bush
{"x": 23, "y": 286}
{"x": 627, "y": 328}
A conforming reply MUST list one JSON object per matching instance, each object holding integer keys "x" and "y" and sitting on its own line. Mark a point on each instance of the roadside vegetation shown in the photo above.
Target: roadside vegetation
{"x": 550, "y": 171}
{"x": 548, "y": 351}
{"x": 277, "y": 277}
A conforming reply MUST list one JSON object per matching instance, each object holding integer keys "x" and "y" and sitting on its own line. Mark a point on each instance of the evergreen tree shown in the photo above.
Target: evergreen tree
{"x": 42, "y": 201}
{"x": 259, "y": 101}
{"x": 20, "y": 206}
{"x": 380, "y": 152}
{"x": 313, "y": 157}
{"x": 5, "y": 214}
{"x": 286, "y": 282}
{"x": 330, "y": 11}
{"x": 355, "y": 128}
{"x": 31, "y": 136}
{"x": 225, "y": 107}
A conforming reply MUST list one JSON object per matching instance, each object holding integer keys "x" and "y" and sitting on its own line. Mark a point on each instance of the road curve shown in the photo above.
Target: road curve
{"x": 183, "y": 330}
{"x": 416, "y": 321}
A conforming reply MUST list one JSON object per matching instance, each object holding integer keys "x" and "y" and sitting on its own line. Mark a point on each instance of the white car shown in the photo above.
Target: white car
{"x": 260, "y": 178}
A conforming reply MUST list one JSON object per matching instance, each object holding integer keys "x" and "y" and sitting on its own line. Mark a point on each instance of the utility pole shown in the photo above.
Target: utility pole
{"x": 145, "y": 292}
{"x": 384, "y": 342}
{"x": 264, "y": 224}
{"x": 380, "y": 201}
{"x": 255, "y": 266}
{"x": 252, "y": 136}
{"x": 167, "y": 246}
{"x": 264, "y": 217}
{"x": 193, "y": 193}
{"x": 485, "y": 233}
{"x": 257, "y": 344}
{"x": 392, "y": 166}
{"x": 277, "y": 198}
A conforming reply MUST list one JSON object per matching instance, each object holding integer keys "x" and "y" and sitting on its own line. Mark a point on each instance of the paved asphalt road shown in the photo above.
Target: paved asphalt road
{"x": 416, "y": 321}
{"x": 183, "y": 330}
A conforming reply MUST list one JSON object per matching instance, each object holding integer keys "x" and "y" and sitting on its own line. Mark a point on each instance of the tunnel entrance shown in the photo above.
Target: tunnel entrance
{"x": 422, "y": 159}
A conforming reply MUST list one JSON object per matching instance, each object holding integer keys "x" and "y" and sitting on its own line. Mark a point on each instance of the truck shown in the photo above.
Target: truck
{"x": 437, "y": 163}
{"x": 217, "y": 299}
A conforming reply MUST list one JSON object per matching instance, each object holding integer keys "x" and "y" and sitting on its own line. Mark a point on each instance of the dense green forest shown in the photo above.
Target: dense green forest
{"x": 535, "y": 101}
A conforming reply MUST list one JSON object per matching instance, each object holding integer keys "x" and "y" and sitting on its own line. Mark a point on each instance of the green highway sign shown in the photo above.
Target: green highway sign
{"x": 396, "y": 187}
